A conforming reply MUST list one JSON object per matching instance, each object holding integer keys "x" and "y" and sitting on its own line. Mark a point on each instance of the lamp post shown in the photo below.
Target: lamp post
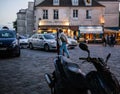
{"x": 102, "y": 22}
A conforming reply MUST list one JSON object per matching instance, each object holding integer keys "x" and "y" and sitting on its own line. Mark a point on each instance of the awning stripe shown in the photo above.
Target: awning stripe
{"x": 91, "y": 29}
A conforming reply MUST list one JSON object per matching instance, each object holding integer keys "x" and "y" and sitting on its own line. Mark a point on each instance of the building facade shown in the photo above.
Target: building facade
{"x": 21, "y": 21}
{"x": 82, "y": 18}
{"x": 111, "y": 12}
{"x": 25, "y": 20}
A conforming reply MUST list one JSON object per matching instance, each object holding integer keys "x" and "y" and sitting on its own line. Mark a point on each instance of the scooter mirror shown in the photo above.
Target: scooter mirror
{"x": 108, "y": 56}
{"x": 84, "y": 47}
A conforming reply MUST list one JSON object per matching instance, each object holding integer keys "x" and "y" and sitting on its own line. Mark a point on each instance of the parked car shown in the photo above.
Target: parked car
{"x": 72, "y": 43}
{"x": 9, "y": 44}
{"x": 23, "y": 41}
{"x": 45, "y": 41}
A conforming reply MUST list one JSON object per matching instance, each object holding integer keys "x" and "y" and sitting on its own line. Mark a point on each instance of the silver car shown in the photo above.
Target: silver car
{"x": 23, "y": 41}
{"x": 45, "y": 41}
{"x": 72, "y": 43}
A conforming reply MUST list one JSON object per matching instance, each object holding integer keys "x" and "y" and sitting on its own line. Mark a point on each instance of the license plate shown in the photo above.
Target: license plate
{"x": 3, "y": 49}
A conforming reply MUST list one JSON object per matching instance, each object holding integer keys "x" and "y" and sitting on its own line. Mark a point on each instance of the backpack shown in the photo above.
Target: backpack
{"x": 63, "y": 38}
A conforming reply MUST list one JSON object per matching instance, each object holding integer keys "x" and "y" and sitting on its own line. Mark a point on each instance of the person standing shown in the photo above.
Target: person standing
{"x": 104, "y": 41}
{"x": 108, "y": 40}
{"x": 112, "y": 38}
{"x": 64, "y": 41}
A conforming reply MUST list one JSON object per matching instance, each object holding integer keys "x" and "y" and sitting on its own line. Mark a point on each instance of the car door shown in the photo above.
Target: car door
{"x": 40, "y": 41}
{"x": 34, "y": 40}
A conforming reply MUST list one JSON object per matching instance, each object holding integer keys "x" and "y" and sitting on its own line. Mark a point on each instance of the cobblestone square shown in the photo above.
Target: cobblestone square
{"x": 25, "y": 75}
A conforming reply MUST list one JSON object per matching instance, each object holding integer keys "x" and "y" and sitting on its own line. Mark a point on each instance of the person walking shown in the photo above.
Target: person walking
{"x": 64, "y": 41}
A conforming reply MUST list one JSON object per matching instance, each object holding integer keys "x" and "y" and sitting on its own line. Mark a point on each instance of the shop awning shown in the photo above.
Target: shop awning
{"x": 112, "y": 29}
{"x": 91, "y": 29}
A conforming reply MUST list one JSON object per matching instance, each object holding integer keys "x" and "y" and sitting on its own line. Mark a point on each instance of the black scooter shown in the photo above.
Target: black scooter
{"x": 101, "y": 81}
{"x": 68, "y": 78}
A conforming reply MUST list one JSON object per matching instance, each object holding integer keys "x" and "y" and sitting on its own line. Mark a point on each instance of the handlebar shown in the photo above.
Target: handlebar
{"x": 88, "y": 59}
{"x": 98, "y": 61}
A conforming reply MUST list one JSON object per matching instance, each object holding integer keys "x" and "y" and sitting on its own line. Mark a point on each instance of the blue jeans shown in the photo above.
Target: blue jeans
{"x": 64, "y": 47}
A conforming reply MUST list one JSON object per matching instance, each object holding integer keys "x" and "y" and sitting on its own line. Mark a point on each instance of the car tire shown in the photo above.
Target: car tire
{"x": 46, "y": 47}
{"x": 31, "y": 46}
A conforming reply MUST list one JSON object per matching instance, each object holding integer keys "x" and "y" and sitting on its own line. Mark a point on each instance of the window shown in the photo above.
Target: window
{"x": 75, "y": 13}
{"x": 56, "y": 14}
{"x": 88, "y": 2}
{"x": 55, "y": 2}
{"x": 74, "y": 2}
{"x": 88, "y": 14}
{"x": 45, "y": 14}
{"x": 48, "y": 36}
{"x": 7, "y": 34}
{"x": 34, "y": 36}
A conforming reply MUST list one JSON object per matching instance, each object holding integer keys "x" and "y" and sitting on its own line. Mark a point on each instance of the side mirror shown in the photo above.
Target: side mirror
{"x": 84, "y": 47}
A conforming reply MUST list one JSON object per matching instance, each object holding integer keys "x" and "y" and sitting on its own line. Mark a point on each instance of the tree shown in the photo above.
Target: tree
{"x": 15, "y": 25}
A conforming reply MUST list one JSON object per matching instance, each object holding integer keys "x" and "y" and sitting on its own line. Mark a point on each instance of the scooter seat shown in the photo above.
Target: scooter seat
{"x": 73, "y": 67}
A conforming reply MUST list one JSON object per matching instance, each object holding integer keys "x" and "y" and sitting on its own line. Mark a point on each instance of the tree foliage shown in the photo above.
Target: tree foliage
{"x": 15, "y": 25}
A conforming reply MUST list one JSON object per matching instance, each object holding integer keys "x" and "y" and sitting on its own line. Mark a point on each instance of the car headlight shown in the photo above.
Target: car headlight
{"x": 14, "y": 43}
{"x": 52, "y": 42}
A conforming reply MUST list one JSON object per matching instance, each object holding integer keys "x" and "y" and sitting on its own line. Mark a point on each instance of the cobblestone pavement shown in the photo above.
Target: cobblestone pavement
{"x": 25, "y": 75}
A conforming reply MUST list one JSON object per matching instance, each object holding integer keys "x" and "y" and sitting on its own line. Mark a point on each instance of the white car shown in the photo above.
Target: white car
{"x": 23, "y": 41}
{"x": 45, "y": 41}
{"x": 72, "y": 43}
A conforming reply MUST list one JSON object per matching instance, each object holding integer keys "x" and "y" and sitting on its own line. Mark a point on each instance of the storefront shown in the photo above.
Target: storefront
{"x": 113, "y": 32}
{"x": 68, "y": 30}
{"x": 91, "y": 33}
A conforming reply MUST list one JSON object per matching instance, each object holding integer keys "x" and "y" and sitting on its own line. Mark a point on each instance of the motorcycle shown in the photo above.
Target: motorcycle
{"x": 68, "y": 78}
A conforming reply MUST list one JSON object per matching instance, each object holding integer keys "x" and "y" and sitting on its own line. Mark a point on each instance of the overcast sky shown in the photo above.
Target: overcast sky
{"x": 8, "y": 10}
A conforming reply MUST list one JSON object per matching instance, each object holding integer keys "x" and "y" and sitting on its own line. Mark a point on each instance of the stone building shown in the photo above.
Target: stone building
{"x": 111, "y": 12}
{"x": 21, "y": 29}
{"x": 84, "y": 18}
{"x": 25, "y": 20}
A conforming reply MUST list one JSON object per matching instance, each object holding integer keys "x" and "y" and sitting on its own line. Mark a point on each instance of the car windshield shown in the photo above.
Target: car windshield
{"x": 49, "y": 36}
{"x": 7, "y": 34}
{"x": 22, "y": 37}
